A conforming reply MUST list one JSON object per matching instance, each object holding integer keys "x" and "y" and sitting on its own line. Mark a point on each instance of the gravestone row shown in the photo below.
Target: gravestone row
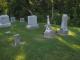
{"x": 13, "y": 19}
{"x": 32, "y": 23}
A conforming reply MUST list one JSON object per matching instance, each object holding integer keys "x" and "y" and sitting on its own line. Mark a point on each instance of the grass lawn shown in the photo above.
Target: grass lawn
{"x": 36, "y": 47}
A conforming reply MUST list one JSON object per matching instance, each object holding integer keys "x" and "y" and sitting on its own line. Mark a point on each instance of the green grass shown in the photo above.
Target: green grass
{"x": 36, "y": 47}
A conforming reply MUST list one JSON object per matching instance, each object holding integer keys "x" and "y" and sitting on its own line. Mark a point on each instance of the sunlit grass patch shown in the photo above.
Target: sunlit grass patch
{"x": 20, "y": 56}
{"x": 72, "y": 33}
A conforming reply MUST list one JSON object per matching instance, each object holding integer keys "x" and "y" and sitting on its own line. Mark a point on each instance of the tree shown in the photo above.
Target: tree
{"x": 3, "y": 7}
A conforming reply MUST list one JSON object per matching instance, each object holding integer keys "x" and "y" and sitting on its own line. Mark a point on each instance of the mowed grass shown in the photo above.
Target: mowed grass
{"x": 35, "y": 47}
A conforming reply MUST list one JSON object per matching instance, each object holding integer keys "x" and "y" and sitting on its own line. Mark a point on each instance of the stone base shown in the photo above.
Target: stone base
{"x": 49, "y": 34}
{"x": 5, "y": 25}
{"x": 32, "y": 26}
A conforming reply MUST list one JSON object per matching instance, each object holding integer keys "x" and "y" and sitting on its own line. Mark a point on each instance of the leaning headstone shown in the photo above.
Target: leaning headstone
{"x": 16, "y": 39}
{"x": 32, "y": 22}
{"x": 64, "y": 25}
{"x": 12, "y": 19}
{"x": 22, "y": 20}
{"x": 4, "y": 21}
{"x": 49, "y": 33}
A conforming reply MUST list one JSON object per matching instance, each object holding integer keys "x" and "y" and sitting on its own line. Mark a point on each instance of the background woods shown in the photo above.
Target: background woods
{"x": 41, "y": 8}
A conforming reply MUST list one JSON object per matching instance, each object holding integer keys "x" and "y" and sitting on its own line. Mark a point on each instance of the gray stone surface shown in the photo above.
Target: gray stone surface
{"x": 12, "y": 19}
{"x": 64, "y": 25}
{"x": 49, "y": 33}
{"x": 4, "y": 21}
{"x": 48, "y": 21}
{"x": 32, "y": 22}
{"x": 22, "y": 20}
{"x": 16, "y": 39}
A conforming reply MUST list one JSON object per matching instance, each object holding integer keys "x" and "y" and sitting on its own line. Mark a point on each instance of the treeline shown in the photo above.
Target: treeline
{"x": 41, "y": 8}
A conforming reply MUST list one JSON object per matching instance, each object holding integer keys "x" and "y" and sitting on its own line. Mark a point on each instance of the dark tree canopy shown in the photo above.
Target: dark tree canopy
{"x": 23, "y": 8}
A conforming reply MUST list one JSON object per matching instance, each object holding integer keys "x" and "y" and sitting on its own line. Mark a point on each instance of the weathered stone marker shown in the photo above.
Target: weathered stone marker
{"x": 4, "y": 21}
{"x": 17, "y": 39}
{"x": 32, "y": 22}
{"x": 64, "y": 25}
{"x": 49, "y": 33}
{"x": 12, "y": 19}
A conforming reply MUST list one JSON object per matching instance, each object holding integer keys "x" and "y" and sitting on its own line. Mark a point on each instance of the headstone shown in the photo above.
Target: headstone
{"x": 32, "y": 22}
{"x": 13, "y": 19}
{"x": 64, "y": 25}
{"x": 22, "y": 20}
{"x": 48, "y": 22}
{"x": 4, "y": 21}
{"x": 49, "y": 33}
{"x": 16, "y": 39}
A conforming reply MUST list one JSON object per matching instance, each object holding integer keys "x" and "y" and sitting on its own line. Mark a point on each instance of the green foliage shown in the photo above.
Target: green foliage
{"x": 23, "y": 8}
{"x": 3, "y": 7}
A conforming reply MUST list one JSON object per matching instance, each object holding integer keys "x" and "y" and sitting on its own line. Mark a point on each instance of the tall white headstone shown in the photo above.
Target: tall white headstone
{"x": 49, "y": 33}
{"x": 32, "y": 22}
{"x": 4, "y": 21}
{"x": 64, "y": 24}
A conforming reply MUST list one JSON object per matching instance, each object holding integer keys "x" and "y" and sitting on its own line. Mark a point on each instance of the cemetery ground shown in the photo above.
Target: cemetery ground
{"x": 35, "y": 47}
